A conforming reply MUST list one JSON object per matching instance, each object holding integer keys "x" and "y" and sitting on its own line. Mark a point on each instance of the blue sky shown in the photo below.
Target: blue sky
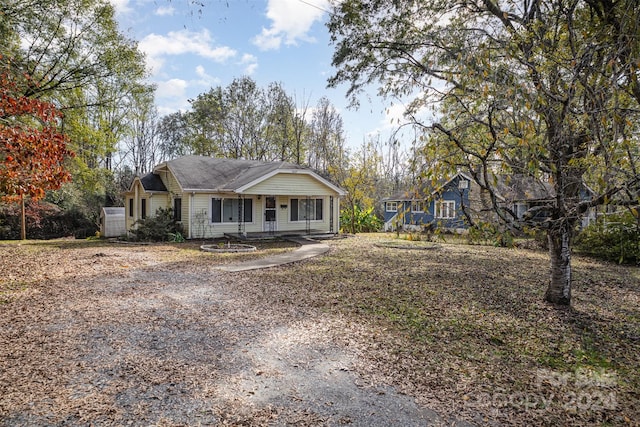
{"x": 191, "y": 49}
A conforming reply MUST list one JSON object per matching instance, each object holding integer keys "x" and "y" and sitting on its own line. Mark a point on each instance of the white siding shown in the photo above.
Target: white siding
{"x": 128, "y": 215}
{"x": 282, "y": 214}
{"x": 287, "y": 184}
{"x": 199, "y": 218}
{"x": 170, "y": 182}
{"x": 134, "y": 194}
{"x": 202, "y": 227}
{"x": 284, "y": 218}
{"x": 156, "y": 201}
{"x": 196, "y": 207}
{"x": 291, "y": 185}
{"x": 153, "y": 203}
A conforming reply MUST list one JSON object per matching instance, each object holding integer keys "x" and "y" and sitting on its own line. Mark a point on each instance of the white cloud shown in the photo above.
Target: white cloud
{"x": 156, "y": 47}
{"x": 250, "y": 62}
{"x": 267, "y": 40}
{"x": 154, "y": 64}
{"x": 291, "y": 20}
{"x": 247, "y": 58}
{"x": 250, "y": 69}
{"x": 204, "y": 78}
{"x": 391, "y": 119}
{"x": 171, "y": 96}
{"x": 173, "y": 88}
{"x": 121, "y": 6}
{"x": 200, "y": 71}
{"x": 394, "y": 116}
{"x": 165, "y": 11}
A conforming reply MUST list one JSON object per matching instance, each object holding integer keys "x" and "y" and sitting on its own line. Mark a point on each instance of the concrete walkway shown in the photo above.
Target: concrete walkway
{"x": 308, "y": 249}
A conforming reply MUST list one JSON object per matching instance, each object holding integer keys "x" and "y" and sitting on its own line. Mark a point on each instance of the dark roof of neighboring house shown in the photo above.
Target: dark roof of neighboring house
{"x": 427, "y": 190}
{"x": 510, "y": 188}
{"x": 523, "y": 188}
{"x": 152, "y": 182}
{"x": 404, "y": 195}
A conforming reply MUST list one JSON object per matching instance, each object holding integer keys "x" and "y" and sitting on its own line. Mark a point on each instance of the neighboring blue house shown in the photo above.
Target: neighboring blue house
{"x": 521, "y": 196}
{"x": 526, "y": 197}
{"x": 438, "y": 207}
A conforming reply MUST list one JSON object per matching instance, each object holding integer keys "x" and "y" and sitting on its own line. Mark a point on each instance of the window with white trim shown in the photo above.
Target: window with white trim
{"x": 303, "y": 209}
{"x": 177, "y": 209}
{"x": 228, "y": 210}
{"x": 445, "y": 209}
{"x": 143, "y": 208}
{"x": 417, "y": 206}
{"x": 392, "y": 207}
{"x": 520, "y": 209}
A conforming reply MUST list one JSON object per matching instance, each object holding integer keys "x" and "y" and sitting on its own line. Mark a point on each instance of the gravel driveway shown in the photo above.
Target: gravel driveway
{"x": 120, "y": 339}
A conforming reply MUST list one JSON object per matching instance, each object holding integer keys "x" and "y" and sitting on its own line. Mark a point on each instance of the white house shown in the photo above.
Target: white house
{"x": 212, "y": 197}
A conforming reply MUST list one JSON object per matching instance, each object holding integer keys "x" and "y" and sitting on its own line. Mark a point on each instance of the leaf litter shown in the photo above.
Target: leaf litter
{"x": 114, "y": 335}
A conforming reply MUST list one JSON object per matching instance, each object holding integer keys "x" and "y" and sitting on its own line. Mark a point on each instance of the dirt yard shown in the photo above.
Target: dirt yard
{"x": 108, "y": 334}
{"x": 153, "y": 335}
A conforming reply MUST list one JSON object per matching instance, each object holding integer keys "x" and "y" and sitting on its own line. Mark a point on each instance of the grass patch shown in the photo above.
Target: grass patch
{"x": 463, "y": 326}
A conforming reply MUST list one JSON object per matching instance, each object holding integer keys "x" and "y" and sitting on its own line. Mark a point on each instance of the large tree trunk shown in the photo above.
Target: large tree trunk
{"x": 559, "y": 290}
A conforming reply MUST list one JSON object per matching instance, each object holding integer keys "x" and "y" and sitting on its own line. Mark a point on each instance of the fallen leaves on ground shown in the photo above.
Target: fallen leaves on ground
{"x": 463, "y": 329}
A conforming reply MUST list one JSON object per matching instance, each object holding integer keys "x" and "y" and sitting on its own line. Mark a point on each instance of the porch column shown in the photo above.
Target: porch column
{"x": 336, "y": 214}
{"x": 331, "y": 215}
{"x": 190, "y": 234}
{"x": 240, "y": 215}
{"x": 136, "y": 196}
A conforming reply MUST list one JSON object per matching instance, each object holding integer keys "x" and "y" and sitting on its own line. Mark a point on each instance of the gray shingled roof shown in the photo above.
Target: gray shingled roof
{"x": 208, "y": 173}
{"x": 510, "y": 188}
{"x": 519, "y": 187}
{"x": 427, "y": 189}
{"x": 152, "y": 182}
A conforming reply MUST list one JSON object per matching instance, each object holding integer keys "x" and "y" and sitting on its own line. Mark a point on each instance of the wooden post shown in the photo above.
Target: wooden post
{"x": 23, "y": 226}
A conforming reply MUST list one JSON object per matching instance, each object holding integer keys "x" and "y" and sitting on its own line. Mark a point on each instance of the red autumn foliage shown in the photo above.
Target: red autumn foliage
{"x": 32, "y": 150}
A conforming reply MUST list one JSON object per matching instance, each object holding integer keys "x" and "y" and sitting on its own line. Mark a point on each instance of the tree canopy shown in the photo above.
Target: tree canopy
{"x": 32, "y": 149}
{"x": 544, "y": 89}
{"x": 245, "y": 121}
{"x": 74, "y": 56}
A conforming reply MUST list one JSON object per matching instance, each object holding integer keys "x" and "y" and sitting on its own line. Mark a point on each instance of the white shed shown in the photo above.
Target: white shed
{"x": 112, "y": 222}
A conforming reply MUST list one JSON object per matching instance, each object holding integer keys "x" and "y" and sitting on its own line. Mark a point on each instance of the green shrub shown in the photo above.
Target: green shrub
{"x": 486, "y": 233}
{"x": 159, "y": 228}
{"x": 537, "y": 237}
{"x": 613, "y": 238}
{"x": 359, "y": 220}
{"x": 176, "y": 237}
{"x": 44, "y": 221}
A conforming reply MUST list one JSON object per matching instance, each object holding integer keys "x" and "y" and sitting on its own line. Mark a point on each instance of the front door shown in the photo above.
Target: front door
{"x": 270, "y": 220}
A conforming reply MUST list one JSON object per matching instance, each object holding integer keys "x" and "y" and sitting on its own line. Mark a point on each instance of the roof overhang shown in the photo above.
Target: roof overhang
{"x": 271, "y": 174}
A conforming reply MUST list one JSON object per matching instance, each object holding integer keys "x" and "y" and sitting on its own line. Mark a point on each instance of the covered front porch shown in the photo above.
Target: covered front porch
{"x": 259, "y": 216}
